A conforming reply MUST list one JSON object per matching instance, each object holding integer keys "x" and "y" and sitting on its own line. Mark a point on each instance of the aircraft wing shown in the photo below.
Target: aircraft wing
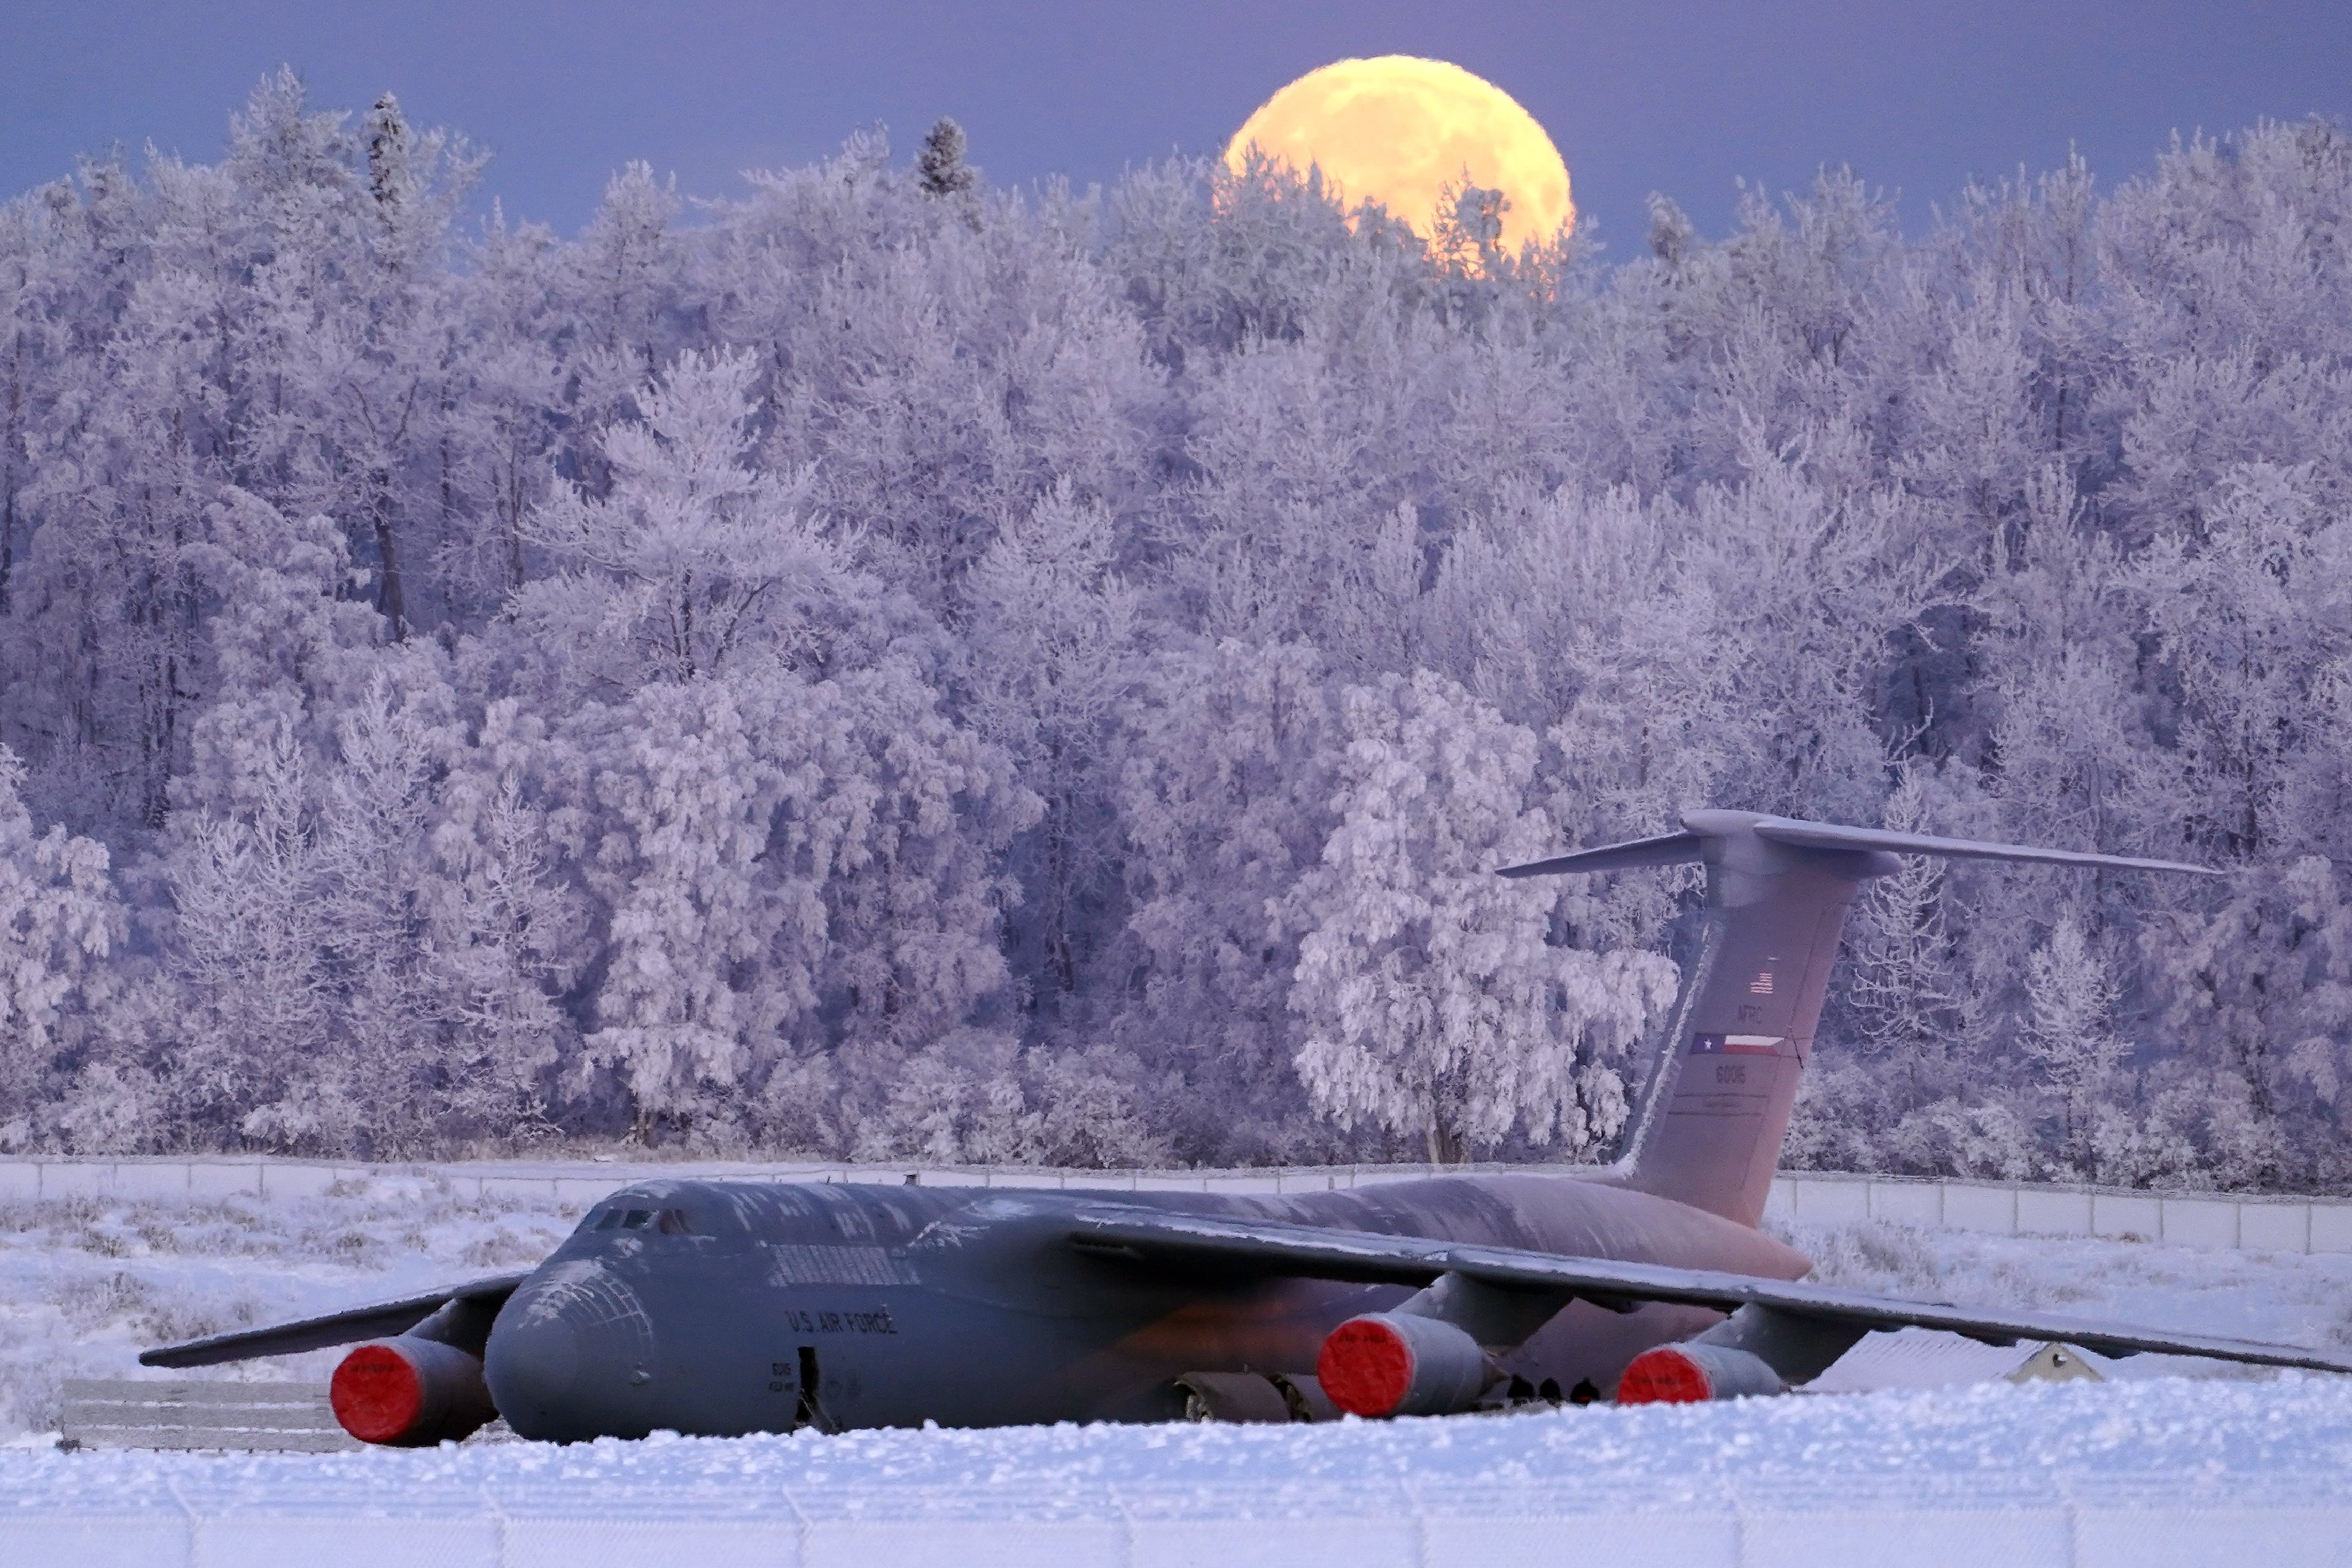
{"x": 379, "y": 1321}
{"x": 1203, "y": 1243}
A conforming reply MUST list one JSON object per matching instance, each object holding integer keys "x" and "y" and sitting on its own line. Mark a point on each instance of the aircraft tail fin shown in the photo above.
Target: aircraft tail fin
{"x": 1709, "y": 1126}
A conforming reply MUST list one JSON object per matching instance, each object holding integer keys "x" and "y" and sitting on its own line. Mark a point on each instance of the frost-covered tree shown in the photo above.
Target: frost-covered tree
{"x": 1434, "y": 1008}
{"x": 889, "y": 840}
{"x": 59, "y": 922}
{"x": 508, "y": 941}
{"x": 1903, "y": 1052}
{"x": 624, "y": 278}
{"x": 2069, "y": 1032}
{"x": 873, "y": 653}
{"x": 687, "y": 806}
{"x": 1227, "y": 799}
{"x": 1051, "y": 636}
{"x": 693, "y": 559}
{"x": 940, "y": 167}
{"x": 251, "y": 1047}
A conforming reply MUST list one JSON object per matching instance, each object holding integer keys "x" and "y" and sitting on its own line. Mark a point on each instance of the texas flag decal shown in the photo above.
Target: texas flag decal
{"x": 1735, "y": 1044}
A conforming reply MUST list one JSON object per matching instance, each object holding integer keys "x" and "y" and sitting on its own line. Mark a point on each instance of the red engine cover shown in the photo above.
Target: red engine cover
{"x": 1366, "y": 1367}
{"x": 378, "y": 1394}
{"x": 1695, "y": 1371}
{"x": 1398, "y": 1363}
{"x": 1663, "y": 1376}
{"x": 410, "y": 1393}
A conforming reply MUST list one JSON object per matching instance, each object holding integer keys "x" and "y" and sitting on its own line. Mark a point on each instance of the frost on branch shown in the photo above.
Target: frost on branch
{"x": 870, "y": 663}
{"x": 59, "y": 922}
{"x": 1436, "y": 1007}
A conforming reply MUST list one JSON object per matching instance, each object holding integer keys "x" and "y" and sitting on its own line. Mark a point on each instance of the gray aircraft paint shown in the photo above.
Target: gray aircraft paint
{"x": 972, "y": 1308}
{"x": 742, "y": 1307}
{"x": 1741, "y": 1030}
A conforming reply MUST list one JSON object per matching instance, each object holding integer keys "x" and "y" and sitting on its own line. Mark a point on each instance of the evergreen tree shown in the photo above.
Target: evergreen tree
{"x": 940, "y": 167}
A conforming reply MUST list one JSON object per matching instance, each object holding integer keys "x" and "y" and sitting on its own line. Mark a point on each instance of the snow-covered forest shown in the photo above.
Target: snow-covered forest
{"x": 888, "y": 666}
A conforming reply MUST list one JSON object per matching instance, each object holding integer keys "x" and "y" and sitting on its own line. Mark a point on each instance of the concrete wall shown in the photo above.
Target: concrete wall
{"x": 2023, "y": 1208}
{"x": 1808, "y": 1197}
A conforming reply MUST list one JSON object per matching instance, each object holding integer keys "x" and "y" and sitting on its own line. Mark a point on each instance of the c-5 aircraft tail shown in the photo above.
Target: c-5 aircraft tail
{"x": 1709, "y": 1128}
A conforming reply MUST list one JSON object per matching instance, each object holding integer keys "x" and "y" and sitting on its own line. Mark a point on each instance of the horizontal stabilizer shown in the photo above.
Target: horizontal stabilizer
{"x": 1825, "y": 836}
{"x": 1200, "y": 1242}
{"x": 1674, "y": 849}
{"x": 1666, "y": 849}
{"x": 380, "y": 1319}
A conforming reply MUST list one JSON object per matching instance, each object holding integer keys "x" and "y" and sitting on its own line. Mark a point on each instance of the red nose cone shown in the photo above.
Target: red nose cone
{"x": 1365, "y": 1367}
{"x": 377, "y": 1395}
{"x": 1663, "y": 1376}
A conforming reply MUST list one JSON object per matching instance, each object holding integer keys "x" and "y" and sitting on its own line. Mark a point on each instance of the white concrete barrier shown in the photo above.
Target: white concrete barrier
{"x": 2218, "y": 1220}
{"x": 1809, "y": 1197}
{"x": 2150, "y": 1521}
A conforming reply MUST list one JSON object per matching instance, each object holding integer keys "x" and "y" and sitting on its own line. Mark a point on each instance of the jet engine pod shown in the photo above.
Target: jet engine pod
{"x": 408, "y": 1393}
{"x": 1395, "y": 1363}
{"x": 1690, "y": 1373}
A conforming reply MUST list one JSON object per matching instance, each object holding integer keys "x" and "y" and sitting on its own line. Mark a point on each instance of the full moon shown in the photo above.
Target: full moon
{"x": 1396, "y": 129}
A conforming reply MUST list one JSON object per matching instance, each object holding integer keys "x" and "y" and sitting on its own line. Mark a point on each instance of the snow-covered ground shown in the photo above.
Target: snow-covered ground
{"x": 2144, "y": 1474}
{"x": 2296, "y": 1423}
{"x": 86, "y": 1283}
{"x": 2288, "y": 1297}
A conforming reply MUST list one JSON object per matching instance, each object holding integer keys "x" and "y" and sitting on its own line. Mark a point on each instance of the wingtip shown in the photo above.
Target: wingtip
{"x": 1663, "y": 849}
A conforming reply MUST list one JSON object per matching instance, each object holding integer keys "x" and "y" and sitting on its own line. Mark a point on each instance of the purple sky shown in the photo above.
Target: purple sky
{"x": 1674, "y": 95}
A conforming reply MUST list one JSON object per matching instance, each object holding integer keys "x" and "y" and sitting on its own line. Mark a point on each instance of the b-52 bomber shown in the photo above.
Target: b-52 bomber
{"x": 723, "y": 1308}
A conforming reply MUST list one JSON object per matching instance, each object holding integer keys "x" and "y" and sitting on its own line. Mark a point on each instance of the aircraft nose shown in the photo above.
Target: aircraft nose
{"x": 572, "y": 1356}
{"x": 539, "y": 1357}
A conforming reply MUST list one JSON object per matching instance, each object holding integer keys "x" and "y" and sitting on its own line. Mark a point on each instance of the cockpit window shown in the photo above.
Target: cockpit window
{"x": 669, "y": 1222}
